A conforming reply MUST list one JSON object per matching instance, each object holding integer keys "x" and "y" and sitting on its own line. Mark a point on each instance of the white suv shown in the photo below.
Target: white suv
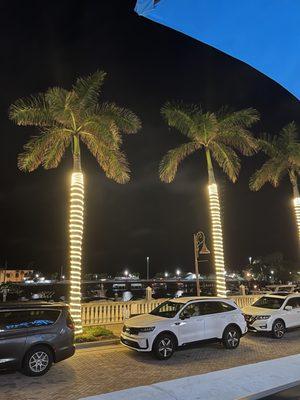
{"x": 274, "y": 313}
{"x": 184, "y": 320}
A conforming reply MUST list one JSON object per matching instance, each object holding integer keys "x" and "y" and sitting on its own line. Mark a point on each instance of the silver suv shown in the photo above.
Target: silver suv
{"x": 34, "y": 335}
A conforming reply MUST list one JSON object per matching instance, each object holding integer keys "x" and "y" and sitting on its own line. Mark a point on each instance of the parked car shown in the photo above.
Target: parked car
{"x": 34, "y": 335}
{"x": 274, "y": 314}
{"x": 184, "y": 320}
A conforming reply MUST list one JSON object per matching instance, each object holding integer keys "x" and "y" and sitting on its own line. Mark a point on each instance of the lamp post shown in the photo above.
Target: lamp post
{"x": 199, "y": 248}
{"x": 178, "y": 272}
{"x": 148, "y": 262}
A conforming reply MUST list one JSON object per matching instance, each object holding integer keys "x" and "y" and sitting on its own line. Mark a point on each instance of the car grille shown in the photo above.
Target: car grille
{"x": 249, "y": 319}
{"x": 130, "y": 330}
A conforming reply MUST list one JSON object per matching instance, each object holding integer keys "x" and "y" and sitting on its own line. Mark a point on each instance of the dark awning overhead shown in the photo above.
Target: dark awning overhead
{"x": 263, "y": 33}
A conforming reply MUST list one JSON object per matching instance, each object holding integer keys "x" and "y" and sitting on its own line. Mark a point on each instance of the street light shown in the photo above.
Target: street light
{"x": 166, "y": 274}
{"x": 272, "y": 272}
{"x": 199, "y": 248}
{"x": 126, "y": 273}
{"x": 178, "y": 272}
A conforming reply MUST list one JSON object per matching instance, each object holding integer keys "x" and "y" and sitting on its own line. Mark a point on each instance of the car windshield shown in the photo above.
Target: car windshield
{"x": 269, "y": 302}
{"x": 168, "y": 309}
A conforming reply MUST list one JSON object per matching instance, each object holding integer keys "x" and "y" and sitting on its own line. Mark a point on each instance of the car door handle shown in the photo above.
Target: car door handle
{"x": 177, "y": 323}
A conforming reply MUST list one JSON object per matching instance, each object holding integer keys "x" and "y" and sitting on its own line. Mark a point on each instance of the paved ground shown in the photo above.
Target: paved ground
{"x": 104, "y": 369}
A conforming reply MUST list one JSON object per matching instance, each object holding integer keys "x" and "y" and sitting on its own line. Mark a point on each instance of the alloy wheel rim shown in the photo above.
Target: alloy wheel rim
{"x": 279, "y": 329}
{"x": 39, "y": 361}
{"x": 165, "y": 347}
{"x": 232, "y": 338}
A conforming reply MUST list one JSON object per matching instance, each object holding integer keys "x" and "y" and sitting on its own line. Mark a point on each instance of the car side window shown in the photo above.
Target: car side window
{"x": 294, "y": 302}
{"x": 21, "y": 319}
{"x": 210, "y": 307}
{"x": 192, "y": 309}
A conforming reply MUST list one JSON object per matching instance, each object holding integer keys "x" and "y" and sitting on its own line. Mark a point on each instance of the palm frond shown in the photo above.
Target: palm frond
{"x": 268, "y": 144}
{"x": 126, "y": 121}
{"x": 170, "y": 162}
{"x": 227, "y": 159}
{"x": 243, "y": 118}
{"x": 112, "y": 160}
{"x": 61, "y": 139}
{"x": 181, "y": 116}
{"x": 34, "y": 152}
{"x": 104, "y": 130}
{"x": 271, "y": 171}
{"x": 88, "y": 89}
{"x": 62, "y": 104}
{"x": 32, "y": 110}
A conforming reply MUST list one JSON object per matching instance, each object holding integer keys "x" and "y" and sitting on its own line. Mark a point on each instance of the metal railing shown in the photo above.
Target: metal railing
{"x": 111, "y": 312}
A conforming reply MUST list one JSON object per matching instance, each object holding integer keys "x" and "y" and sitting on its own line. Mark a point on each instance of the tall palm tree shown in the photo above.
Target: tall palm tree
{"x": 283, "y": 152}
{"x": 219, "y": 135}
{"x": 66, "y": 118}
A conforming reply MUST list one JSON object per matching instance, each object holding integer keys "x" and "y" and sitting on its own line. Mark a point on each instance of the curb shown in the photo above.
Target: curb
{"x": 272, "y": 391}
{"x": 100, "y": 343}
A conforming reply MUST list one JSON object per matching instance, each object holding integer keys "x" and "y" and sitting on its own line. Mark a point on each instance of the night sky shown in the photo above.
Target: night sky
{"x": 50, "y": 43}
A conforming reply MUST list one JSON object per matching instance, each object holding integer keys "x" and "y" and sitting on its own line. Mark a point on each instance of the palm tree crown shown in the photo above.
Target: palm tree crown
{"x": 283, "y": 153}
{"x": 67, "y": 117}
{"x": 221, "y": 134}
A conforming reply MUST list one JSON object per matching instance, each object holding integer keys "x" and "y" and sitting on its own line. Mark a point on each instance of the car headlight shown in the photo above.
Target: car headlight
{"x": 147, "y": 329}
{"x": 260, "y": 317}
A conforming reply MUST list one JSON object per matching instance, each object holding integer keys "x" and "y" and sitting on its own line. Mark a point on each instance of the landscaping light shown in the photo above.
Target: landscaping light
{"x": 217, "y": 239}
{"x": 76, "y": 232}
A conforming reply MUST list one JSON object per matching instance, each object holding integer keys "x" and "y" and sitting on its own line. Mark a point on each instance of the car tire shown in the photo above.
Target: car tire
{"x": 164, "y": 346}
{"x": 278, "y": 329}
{"x": 231, "y": 337}
{"x": 37, "y": 361}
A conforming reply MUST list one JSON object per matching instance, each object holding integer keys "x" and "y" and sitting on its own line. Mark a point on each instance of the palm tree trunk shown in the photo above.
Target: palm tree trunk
{"x": 216, "y": 228}
{"x": 296, "y": 199}
{"x": 76, "y": 233}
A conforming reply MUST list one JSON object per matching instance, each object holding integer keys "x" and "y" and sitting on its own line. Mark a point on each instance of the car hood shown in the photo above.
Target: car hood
{"x": 145, "y": 320}
{"x": 250, "y": 310}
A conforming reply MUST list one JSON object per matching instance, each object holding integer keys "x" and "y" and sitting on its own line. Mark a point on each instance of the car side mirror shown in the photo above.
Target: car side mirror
{"x": 288, "y": 308}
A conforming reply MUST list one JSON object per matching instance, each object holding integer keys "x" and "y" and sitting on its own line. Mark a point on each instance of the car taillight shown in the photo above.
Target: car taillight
{"x": 70, "y": 322}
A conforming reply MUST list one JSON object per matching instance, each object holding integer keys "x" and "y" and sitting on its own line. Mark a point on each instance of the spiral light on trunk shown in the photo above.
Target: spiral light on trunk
{"x": 297, "y": 212}
{"x": 76, "y": 232}
{"x": 217, "y": 239}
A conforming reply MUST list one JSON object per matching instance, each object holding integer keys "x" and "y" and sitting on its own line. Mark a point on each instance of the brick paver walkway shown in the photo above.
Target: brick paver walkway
{"x": 103, "y": 369}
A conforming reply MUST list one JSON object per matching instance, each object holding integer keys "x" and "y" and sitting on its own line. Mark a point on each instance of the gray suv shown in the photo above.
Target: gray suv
{"x": 34, "y": 335}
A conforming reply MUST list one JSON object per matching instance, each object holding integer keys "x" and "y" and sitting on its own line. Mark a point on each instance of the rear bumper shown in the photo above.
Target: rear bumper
{"x": 63, "y": 354}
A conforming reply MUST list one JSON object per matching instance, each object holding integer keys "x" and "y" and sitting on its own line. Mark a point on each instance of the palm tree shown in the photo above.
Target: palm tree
{"x": 219, "y": 135}
{"x": 65, "y": 119}
{"x": 283, "y": 152}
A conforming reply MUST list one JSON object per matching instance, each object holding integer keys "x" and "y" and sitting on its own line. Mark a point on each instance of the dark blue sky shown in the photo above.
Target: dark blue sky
{"x": 45, "y": 44}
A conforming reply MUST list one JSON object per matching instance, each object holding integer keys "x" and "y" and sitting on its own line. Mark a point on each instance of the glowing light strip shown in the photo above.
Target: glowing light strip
{"x": 76, "y": 233}
{"x": 217, "y": 239}
{"x": 297, "y": 212}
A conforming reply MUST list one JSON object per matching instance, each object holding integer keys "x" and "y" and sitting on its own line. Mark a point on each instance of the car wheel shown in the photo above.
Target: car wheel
{"x": 278, "y": 329}
{"x": 231, "y": 337}
{"x": 37, "y": 361}
{"x": 164, "y": 346}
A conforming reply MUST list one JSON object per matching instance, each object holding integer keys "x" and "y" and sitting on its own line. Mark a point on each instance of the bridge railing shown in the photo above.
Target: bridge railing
{"x": 112, "y": 312}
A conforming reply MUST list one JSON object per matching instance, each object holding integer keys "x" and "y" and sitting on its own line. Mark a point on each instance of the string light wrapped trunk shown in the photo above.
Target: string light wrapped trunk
{"x": 76, "y": 235}
{"x": 217, "y": 233}
{"x": 217, "y": 239}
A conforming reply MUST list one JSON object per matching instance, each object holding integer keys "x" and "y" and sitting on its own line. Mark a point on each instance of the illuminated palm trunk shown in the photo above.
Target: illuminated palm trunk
{"x": 296, "y": 199}
{"x": 216, "y": 228}
{"x": 76, "y": 233}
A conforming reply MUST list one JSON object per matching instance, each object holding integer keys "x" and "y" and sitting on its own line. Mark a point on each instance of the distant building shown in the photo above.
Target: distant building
{"x": 15, "y": 275}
